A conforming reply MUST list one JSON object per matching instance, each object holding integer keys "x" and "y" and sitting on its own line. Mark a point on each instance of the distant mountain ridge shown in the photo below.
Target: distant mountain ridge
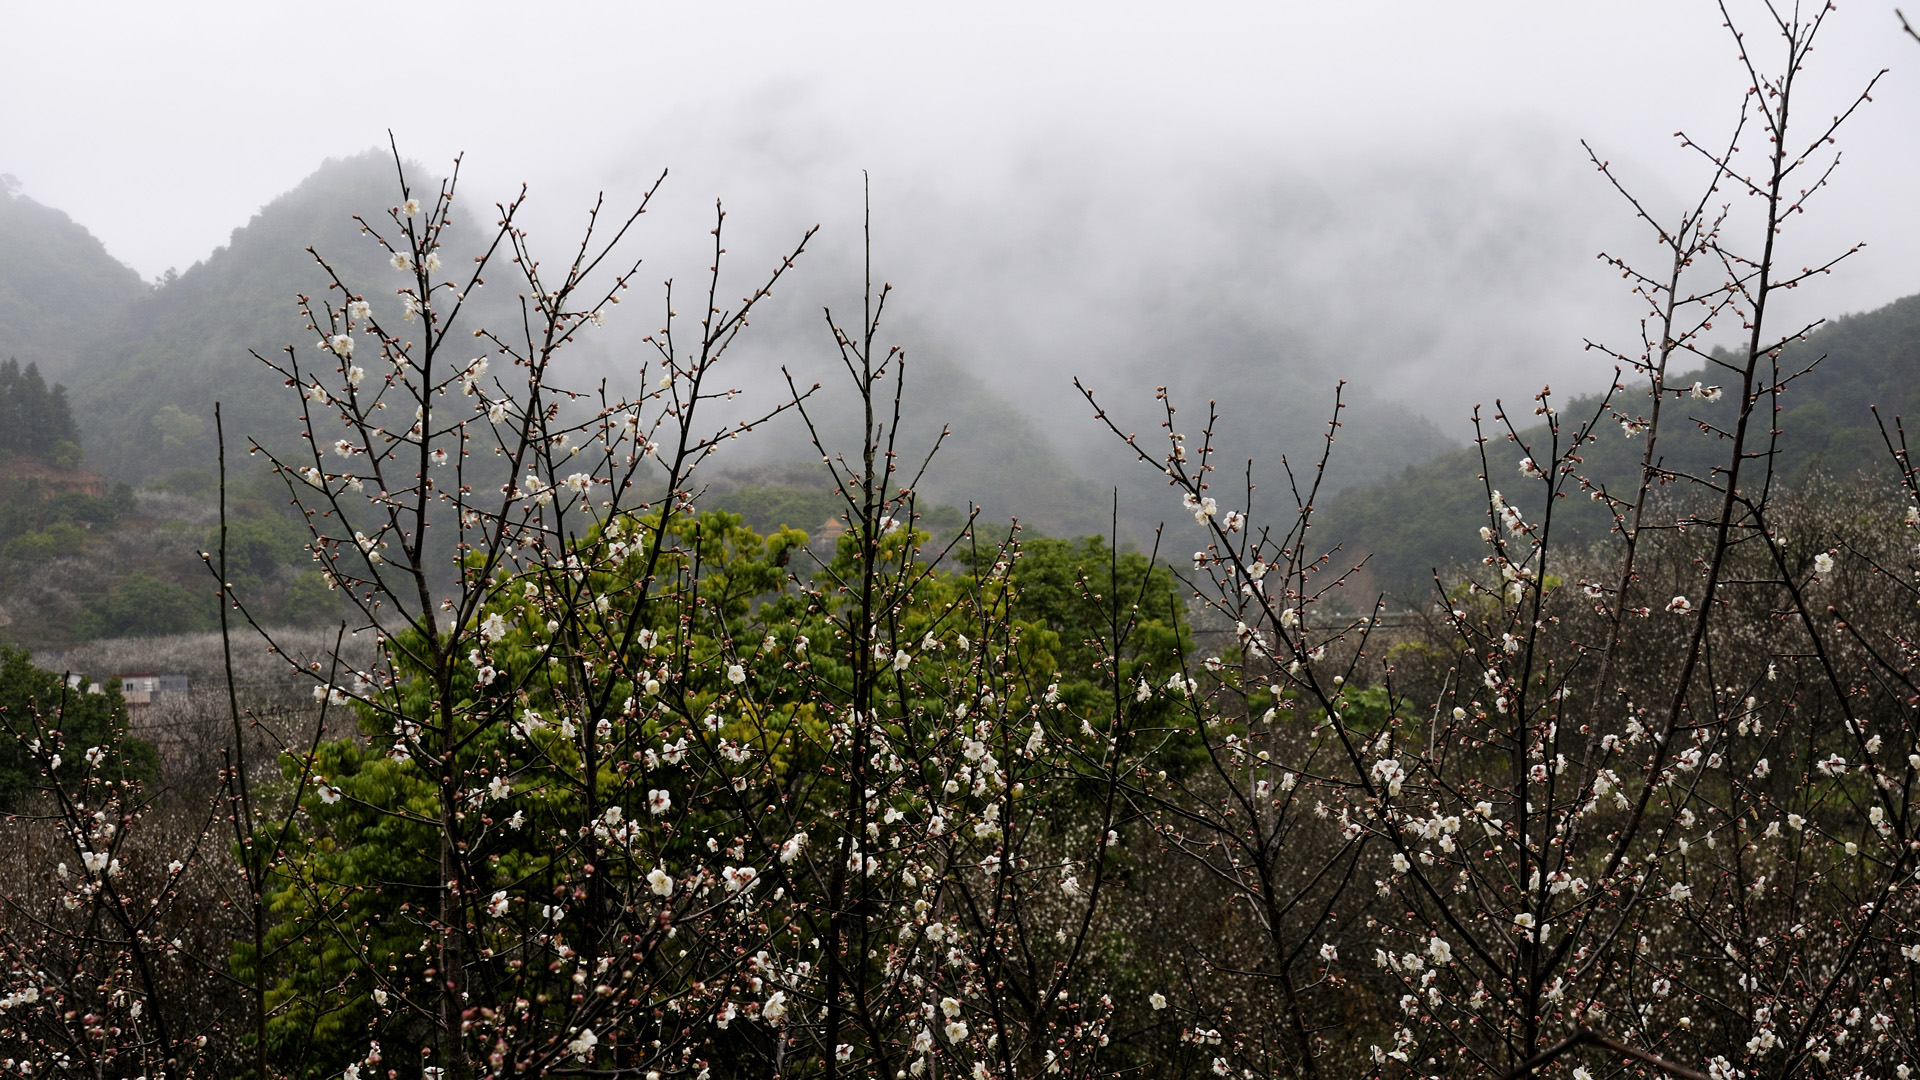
{"x": 144, "y": 365}
{"x": 58, "y": 283}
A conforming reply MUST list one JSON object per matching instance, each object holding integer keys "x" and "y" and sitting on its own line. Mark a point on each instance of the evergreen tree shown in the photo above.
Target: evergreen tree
{"x": 35, "y": 422}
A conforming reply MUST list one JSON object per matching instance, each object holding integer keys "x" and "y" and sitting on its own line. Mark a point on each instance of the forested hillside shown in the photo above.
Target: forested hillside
{"x": 144, "y": 394}
{"x": 1427, "y": 516}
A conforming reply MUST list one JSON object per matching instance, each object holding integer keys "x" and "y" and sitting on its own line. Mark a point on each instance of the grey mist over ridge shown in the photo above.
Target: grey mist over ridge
{"x": 1216, "y": 272}
{"x": 1263, "y": 285}
{"x": 1163, "y": 206}
{"x": 1397, "y": 186}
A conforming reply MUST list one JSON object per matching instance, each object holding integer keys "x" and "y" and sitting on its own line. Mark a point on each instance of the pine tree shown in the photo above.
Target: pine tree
{"x": 35, "y": 422}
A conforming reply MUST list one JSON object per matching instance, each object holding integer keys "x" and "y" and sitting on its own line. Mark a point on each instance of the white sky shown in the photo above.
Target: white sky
{"x": 163, "y": 126}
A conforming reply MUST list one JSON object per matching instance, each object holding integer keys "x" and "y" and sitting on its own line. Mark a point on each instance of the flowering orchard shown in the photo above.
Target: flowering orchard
{"x": 635, "y": 791}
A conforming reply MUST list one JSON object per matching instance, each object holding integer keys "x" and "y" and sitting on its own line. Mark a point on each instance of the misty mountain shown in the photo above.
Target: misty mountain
{"x": 57, "y": 284}
{"x": 145, "y": 380}
{"x": 1269, "y": 400}
{"x": 993, "y": 457}
{"x": 145, "y": 384}
{"x": 145, "y": 389}
{"x": 1427, "y": 516}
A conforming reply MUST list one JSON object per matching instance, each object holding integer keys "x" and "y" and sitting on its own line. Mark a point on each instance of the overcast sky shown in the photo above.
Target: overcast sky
{"x": 1331, "y": 158}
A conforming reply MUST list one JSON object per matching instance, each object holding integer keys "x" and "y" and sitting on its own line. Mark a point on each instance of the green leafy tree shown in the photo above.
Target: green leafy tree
{"x": 142, "y": 605}
{"x": 65, "y": 720}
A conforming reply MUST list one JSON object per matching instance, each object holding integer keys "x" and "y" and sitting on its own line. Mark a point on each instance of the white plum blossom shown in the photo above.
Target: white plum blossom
{"x": 1389, "y": 773}
{"x": 660, "y": 881}
{"x": 582, "y": 1045}
{"x": 792, "y": 848}
{"x": 1158, "y": 1000}
{"x": 1823, "y": 564}
{"x": 497, "y": 906}
{"x": 658, "y": 802}
{"x": 1680, "y": 605}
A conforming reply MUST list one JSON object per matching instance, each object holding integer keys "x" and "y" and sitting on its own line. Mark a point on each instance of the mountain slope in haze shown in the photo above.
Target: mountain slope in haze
{"x": 144, "y": 393}
{"x": 1059, "y": 470}
{"x": 57, "y": 284}
{"x": 1271, "y": 401}
{"x": 993, "y": 457}
{"x": 145, "y": 389}
{"x": 1428, "y": 515}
